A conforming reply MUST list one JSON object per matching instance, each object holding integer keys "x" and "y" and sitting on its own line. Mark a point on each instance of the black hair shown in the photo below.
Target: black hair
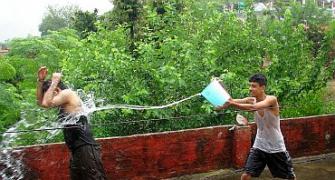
{"x": 258, "y": 78}
{"x": 46, "y": 85}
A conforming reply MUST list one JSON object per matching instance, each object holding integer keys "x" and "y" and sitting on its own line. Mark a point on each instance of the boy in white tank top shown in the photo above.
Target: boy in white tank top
{"x": 269, "y": 147}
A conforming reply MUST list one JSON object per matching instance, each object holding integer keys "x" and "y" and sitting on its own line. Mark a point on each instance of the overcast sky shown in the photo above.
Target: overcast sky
{"x": 19, "y": 18}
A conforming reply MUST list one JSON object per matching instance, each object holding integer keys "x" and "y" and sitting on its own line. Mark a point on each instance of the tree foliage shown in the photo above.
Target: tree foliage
{"x": 84, "y": 22}
{"x": 7, "y": 72}
{"x": 161, "y": 51}
{"x": 182, "y": 49}
{"x": 57, "y": 18}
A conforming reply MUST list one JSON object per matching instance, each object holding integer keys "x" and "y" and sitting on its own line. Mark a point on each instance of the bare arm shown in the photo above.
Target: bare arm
{"x": 247, "y": 100}
{"x": 56, "y": 100}
{"x": 42, "y": 73}
{"x": 39, "y": 95}
{"x": 52, "y": 100}
{"x": 270, "y": 101}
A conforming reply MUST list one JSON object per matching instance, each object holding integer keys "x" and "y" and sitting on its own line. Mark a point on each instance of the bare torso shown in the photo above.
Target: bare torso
{"x": 74, "y": 103}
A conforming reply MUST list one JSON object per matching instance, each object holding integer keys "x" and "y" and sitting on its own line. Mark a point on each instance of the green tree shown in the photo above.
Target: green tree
{"x": 57, "y": 18}
{"x": 84, "y": 22}
{"x": 127, "y": 13}
{"x": 314, "y": 18}
{"x": 7, "y": 72}
{"x": 9, "y": 106}
{"x": 9, "y": 97}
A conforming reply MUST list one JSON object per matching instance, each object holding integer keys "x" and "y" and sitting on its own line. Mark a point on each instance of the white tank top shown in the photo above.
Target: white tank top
{"x": 269, "y": 137}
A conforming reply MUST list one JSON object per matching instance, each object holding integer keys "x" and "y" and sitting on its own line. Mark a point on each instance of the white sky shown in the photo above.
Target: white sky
{"x": 19, "y": 18}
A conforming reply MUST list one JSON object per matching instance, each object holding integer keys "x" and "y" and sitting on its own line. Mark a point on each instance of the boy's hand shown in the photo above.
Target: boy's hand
{"x": 225, "y": 106}
{"x": 56, "y": 77}
{"x": 42, "y": 73}
{"x": 251, "y": 100}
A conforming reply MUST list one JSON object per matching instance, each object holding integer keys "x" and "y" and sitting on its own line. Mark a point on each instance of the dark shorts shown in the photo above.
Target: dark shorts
{"x": 86, "y": 163}
{"x": 279, "y": 164}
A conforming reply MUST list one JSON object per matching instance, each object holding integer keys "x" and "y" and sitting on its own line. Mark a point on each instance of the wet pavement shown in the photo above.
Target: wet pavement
{"x": 321, "y": 167}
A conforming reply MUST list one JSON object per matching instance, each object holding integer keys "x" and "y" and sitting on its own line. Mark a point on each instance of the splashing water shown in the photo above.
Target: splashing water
{"x": 11, "y": 165}
{"x": 11, "y": 159}
{"x": 89, "y": 106}
{"x": 136, "y": 107}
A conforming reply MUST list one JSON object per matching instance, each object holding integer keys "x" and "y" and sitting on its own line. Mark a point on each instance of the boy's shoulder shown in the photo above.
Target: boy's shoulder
{"x": 69, "y": 93}
{"x": 271, "y": 97}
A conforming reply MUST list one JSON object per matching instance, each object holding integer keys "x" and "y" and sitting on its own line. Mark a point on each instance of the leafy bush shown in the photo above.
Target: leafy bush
{"x": 9, "y": 106}
{"x": 7, "y": 72}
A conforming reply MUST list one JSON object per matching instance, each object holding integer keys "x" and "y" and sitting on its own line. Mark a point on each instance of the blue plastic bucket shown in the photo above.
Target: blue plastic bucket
{"x": 215, "y": 93}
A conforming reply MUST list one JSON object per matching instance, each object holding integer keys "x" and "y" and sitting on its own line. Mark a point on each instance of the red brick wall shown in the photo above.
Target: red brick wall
{"x": 167, "y": 154}
{"x": 162, "y": 155}
{"x": 309, "y": 135}
{"x": 47, "y": 162}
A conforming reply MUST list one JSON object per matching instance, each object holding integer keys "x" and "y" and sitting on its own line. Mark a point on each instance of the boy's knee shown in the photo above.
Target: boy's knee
{"x": 245, "y": 176}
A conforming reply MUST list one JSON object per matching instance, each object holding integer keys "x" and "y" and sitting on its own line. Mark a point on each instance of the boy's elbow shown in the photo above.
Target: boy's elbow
{"x": 41, "y": 104}
{"x": 45, "y": 104}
